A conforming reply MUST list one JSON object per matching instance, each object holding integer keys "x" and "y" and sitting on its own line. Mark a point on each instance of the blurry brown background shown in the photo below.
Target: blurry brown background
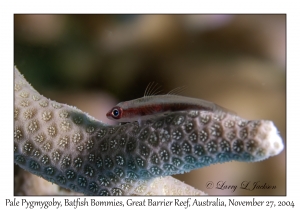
{"x": 96, "y": 61}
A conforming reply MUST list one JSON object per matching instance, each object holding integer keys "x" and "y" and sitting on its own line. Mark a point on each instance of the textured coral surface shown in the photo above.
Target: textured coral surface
{"x": 70, "y": 148}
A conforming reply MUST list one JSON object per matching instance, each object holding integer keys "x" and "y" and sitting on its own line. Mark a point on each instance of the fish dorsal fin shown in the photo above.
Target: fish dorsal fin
{"x": 177, "y": 90}
{"x": 152, "y": 88}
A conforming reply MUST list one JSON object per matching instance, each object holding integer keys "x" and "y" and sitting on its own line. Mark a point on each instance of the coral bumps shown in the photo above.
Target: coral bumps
{"x": 70, "y": 148}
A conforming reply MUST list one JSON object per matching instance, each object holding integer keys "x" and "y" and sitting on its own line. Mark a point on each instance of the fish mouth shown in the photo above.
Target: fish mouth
{"x": 108, "y": 115}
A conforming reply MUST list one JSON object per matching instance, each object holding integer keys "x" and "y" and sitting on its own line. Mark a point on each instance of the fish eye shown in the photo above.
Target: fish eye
{"x": 115, "y": 112}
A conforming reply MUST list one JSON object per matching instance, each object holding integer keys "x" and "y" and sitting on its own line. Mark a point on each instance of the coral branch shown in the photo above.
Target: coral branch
{"x": 72, "y": 149}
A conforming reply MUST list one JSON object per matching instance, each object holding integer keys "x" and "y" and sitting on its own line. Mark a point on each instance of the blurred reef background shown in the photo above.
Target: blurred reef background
{"x": 95, "y": 61}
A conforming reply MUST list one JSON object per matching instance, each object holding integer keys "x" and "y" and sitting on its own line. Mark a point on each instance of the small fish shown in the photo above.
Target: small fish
{"x": 149, "y": 106}
{"x": 152, "y": 105}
